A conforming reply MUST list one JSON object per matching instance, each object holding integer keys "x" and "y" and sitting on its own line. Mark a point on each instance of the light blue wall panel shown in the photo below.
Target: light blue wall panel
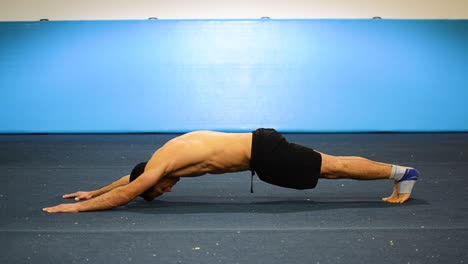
{"x": 234, "y": 75}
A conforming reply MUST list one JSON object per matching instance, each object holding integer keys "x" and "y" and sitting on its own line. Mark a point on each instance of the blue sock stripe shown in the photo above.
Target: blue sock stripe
{"x": 410, "y": 175}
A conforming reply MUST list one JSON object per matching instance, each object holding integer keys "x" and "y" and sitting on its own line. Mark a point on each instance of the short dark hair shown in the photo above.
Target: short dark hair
{"x": 137, "y": 170}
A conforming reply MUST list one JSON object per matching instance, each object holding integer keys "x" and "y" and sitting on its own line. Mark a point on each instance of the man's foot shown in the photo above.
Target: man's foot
{"x": 402, "y": 188}
{"x": 396, "y": 197}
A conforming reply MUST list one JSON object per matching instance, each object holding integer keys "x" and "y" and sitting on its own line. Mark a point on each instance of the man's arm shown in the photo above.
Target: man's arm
{"x": 114, "y": 198}
{"x": 81, "y": 195}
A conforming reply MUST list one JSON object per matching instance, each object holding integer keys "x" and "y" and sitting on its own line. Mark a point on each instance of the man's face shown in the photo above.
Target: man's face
{"x": 163, "y": 186}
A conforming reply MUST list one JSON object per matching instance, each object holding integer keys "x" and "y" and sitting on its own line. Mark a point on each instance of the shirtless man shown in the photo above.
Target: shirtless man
{"x": 264, "y": 151}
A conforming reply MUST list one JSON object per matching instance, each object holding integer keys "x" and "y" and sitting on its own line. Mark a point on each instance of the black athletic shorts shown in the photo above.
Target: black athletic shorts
{"x": 281, "y": 163}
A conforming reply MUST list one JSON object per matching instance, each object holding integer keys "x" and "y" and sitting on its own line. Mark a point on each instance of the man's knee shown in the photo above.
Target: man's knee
{"x": 332, "y": 167}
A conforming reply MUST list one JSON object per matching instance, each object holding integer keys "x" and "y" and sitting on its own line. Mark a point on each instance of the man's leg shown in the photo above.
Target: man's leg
{"x": 358, "y": 168}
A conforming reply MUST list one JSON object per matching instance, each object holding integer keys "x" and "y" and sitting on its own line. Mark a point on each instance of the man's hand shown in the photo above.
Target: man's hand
{"x": 62, "y": 208}
{"x": 79, "y": 196}
{"x": 117, "y": 194}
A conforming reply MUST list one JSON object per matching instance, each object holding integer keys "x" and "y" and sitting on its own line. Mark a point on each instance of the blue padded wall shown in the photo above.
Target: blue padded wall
{"x": 234, "y": 75}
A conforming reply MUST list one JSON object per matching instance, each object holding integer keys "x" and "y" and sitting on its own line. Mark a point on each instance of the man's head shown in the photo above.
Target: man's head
{"x": 164, "y": 185}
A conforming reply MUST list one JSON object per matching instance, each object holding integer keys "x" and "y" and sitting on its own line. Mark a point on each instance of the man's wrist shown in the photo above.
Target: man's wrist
{"x": 78, "y": 207}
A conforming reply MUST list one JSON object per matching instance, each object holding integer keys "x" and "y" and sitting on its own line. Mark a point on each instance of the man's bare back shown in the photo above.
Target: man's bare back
{"x": 201, "y": 152}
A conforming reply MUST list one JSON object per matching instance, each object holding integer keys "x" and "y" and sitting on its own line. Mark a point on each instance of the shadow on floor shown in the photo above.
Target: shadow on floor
{"x": 265, "y": 207}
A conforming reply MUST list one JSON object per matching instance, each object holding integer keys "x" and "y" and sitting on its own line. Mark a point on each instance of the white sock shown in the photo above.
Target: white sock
{"x": 397, "y": 172}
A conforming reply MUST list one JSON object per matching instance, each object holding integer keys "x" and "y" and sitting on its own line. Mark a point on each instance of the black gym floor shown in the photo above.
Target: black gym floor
{"x": 215, "y": 218}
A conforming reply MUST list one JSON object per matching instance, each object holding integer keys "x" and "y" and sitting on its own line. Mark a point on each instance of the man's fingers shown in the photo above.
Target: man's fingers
{"x": 78, "y": 196}
{"x": 70, "y": 195}
{"x": 48, "y": 210}
{"x": 61, "y": 208}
